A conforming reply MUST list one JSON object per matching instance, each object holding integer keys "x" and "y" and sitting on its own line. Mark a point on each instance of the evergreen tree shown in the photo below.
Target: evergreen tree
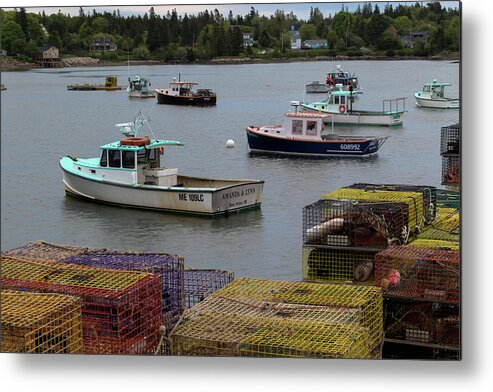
{"x": 153, "y": 39}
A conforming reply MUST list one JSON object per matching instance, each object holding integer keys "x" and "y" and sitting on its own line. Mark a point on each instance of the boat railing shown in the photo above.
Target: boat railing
{"x": 394, "y": 105}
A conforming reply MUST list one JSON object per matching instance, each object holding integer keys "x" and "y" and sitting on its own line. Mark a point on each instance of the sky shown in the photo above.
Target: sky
{"x": 139, "y": 7}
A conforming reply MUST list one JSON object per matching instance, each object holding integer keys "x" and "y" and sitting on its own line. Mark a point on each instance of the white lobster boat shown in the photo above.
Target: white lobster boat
{"x": 130, "y": 173}
{"x": 433, "y": 96}
{"x": 340, "y": 106}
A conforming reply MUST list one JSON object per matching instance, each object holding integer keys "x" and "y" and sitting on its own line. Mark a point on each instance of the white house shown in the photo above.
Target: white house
{"x": 247, "y": 39}
{"x": 295, "y": 39}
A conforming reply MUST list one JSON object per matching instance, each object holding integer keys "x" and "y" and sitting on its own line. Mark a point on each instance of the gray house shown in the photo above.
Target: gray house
{"x": 411, "y": 39}
{"x": 103, "y": 44}
{"x": 247, "y": 39}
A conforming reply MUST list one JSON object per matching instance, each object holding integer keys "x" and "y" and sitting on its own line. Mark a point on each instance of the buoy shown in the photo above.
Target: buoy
{"x": 230, "y": 143}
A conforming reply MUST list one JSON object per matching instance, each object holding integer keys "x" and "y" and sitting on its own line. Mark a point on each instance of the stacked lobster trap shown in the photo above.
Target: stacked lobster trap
{"x": 200, "y": 283}
{"x": 40, "y": 323}
{"x": 263, "y": 318}
{"x": 344, "y": 230}
{"x": 121, "y": 310}
{"x": 450, "y": 151}
{"x": 169, "y": 267}
{"x": 421, "y": 299}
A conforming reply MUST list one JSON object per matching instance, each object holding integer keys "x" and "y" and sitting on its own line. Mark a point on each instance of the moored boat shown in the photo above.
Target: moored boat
{"x": 111, "y": 84}
{"x": 138, "y": 87}
{"x": 337, "y": 77}
{"x": 340, "y": 105}
{"x": 130, "y": 172}
{"x": 303, "y": 134}
{"x": 184, "y": 93}
{"x": 432, "y": 96}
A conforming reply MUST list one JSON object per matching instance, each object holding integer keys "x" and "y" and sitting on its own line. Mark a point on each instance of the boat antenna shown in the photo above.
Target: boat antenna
{"x": 146, "y": 121}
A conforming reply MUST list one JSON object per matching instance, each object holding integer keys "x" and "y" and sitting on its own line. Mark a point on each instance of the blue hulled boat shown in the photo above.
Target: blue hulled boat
{"x": 303, "y": 134}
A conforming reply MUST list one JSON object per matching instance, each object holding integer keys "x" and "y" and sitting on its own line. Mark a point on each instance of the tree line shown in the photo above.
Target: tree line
{"x": 210, "y": 34}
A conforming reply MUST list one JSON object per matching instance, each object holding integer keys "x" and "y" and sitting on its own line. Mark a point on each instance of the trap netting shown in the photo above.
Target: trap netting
{"x": 349, "y": 223}
{"x": 445, "y": 228}
{"x": 338, "y": 265}
{"x": 431, "y": 323}
{"x": 434, "y": 244}
{"x": 121, "y": 310}
{"x": 169, "y": 267}
{"x": 418, "y": 273}
{"x": 414, "y": 200}
{"x": 40, "y": 323}
{"x": 200, "y": 283}
{"x": 222, "y": 326}
{"x": 450, "y": 170}
{"x": 429, "y": 194}
{"x": 41, "y": 250}
{"x": 368, "y": 299}
{"x": 448, "y": 199}
{"x": 450, "y": 139}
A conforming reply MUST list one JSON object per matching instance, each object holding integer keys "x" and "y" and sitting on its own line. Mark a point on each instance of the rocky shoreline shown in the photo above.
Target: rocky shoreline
{"x": 7, "y": 64}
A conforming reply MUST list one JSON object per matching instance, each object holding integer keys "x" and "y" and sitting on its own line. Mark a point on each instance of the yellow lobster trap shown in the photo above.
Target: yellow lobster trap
{"x": 40, "y": 323}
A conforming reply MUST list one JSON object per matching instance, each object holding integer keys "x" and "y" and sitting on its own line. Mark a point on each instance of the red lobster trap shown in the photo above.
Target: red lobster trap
{"x": 419, "y": 273}
{"x": 429, "y": 324}
{"x": 121, "y": 311}
{"x": 450, "y": 170}
{"x": 350, "y": 223}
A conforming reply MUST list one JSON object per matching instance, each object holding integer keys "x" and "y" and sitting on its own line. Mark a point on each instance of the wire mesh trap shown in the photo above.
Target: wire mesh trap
{"x": 121, "y": 311}
{"x": 347, "y": 223}
{"x": 450, "y": 139}
{"x": 419, "y": 273}
{"x": 338, "y": 266}
{"x": 40, "y": 323}
{"x": 200, "y": 283}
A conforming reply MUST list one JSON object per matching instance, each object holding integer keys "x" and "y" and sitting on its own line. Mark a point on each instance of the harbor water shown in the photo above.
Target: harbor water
{"x": 41, "y": 120}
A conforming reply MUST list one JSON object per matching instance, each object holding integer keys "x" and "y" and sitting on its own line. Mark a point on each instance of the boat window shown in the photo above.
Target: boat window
{"x": 152, "y": 154}
{"x": 297, "y": 127}
{"x": 426, "y": 89}
{"x": 114, "y": 158}
{"x": 128, "y": 159}
{"x": 141, "y": 157}
{"x": 311, "y": 128}
{"x": 104, "y": 159}
{"x": 336, "y": 100}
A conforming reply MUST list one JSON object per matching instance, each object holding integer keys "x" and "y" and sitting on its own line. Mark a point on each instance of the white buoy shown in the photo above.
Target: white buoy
{"x": 230, "y": 143}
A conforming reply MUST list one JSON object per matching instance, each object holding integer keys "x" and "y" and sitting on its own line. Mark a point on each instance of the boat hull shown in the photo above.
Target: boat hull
{"x": 437, "y": 103}
{"x": 141, "y": 95}
{"x": 241, "y": 195}
{"x": 323, "y": 148}
{"x": 184, "y": 100}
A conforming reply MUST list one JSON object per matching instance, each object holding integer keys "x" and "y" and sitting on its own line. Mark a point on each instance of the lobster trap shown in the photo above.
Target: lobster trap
{"x": 169, "y": 267}
{"x": 450, "y": 140}
{"x": 338, "y": 265}
{"x": 448, "y": 199}
{"x": 414, "y": 201}
{"x": 417, "y": 273}
{"x": 121, "y": 310}
{"x": 348, "y": 223}
{"x": 40, "y": 323}
{"x": 42, "y": 250}
{"x": 450, "y": 170}
{"x": 433, "y": 324}
{"x": 445, "y": 228}
{"x": 221, "y": 326}
{"x": 429, "y": 194}
{"x": 200, "y": 283}
{"x": 367, "y": 299}
{"x": 434, "y": 244}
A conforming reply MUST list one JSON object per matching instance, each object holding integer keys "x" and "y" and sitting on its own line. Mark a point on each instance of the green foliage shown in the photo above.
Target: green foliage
{"x": 141, "y": 53}
{"x": 308, "y": 31}
{"x": 12, "y": 37}
{"x": 209, "y": 34}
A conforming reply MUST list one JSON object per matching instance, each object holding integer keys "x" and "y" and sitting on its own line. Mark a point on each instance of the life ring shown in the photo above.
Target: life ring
{"x": 135, "y": 141}
{"x": 342, "y": 108}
